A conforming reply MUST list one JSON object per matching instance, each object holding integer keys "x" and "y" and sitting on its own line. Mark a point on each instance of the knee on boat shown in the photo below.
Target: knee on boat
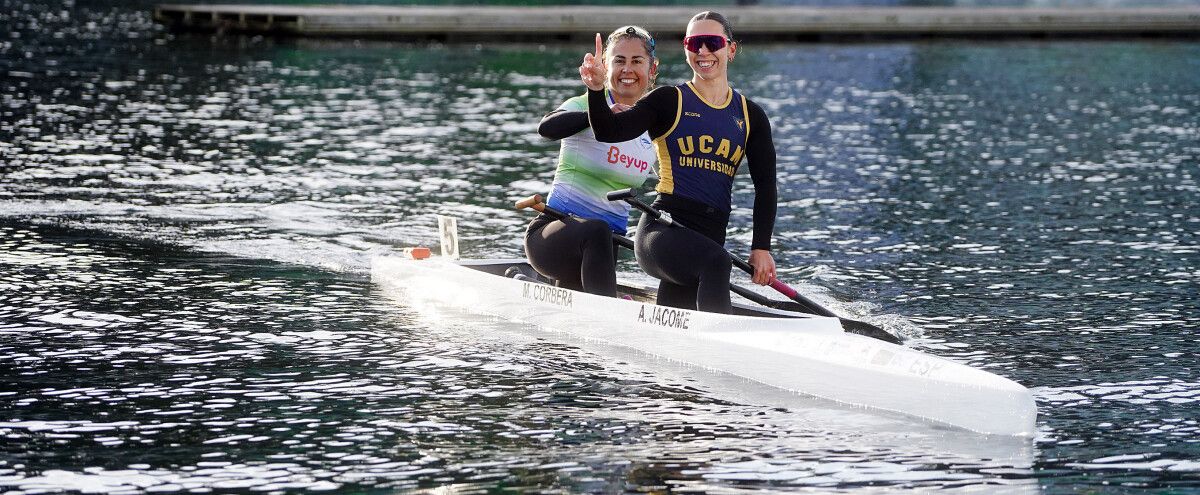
{"x": 597, "y": 231}
{"x": 717, "y": 264}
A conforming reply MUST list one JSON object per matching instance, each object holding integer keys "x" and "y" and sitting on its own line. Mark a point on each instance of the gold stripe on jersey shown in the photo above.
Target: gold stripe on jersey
{"x": 728, "y": 98}
{"x": 745, "y": 115}
{"x": 666, "y": 181}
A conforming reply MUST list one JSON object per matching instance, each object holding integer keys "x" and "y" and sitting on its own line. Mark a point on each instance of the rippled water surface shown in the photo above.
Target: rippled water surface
{"x": 186, "y": 223}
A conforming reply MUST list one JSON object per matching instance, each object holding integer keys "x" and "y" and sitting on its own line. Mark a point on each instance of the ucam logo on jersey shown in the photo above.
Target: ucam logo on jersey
{"x": 704, "y": 144}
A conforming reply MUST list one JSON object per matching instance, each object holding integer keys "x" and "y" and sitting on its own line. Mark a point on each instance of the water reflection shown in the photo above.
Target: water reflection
{"x": 186, "y": 221}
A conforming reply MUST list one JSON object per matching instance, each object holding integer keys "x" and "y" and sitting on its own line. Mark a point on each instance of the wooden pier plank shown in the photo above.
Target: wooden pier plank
{"x": 751, "y": 21}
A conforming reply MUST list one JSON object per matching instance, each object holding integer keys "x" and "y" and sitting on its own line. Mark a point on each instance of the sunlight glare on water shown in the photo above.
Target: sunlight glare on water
{"x": 186, "y": 224}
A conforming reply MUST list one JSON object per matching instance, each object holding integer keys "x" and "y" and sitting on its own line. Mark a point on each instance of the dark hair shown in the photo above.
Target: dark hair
{"x": 637, "y": 32}
{"x": 709, "y": 15}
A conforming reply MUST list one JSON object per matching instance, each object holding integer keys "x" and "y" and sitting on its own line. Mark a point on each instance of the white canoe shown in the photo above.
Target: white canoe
{"x": 802, "y": 353}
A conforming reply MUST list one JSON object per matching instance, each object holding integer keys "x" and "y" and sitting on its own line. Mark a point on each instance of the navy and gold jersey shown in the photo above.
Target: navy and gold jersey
{"x": 699, "y": 156}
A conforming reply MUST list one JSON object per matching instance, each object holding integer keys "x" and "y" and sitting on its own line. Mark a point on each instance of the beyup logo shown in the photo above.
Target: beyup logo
{"x": 615, "y": 156}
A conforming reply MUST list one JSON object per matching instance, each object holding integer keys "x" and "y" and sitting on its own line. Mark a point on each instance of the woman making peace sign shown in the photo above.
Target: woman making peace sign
{"x": 578, "y": 251}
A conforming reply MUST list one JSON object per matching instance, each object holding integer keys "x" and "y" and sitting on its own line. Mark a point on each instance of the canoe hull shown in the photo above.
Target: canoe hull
{"x": 807, "y": 354}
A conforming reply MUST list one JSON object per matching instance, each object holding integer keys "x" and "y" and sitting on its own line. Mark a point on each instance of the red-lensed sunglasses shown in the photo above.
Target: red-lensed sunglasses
{"x": 712, "y": 41}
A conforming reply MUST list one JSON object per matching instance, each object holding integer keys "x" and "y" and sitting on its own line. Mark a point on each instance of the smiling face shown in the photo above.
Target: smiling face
{"x": 707, "y": 64}
{"x": 630, "y": 70}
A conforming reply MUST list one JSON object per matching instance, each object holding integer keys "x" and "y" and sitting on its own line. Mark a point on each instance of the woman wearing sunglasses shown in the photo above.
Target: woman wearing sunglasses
{"x": 702, "y": 130}
{"x": 579, "y": 251}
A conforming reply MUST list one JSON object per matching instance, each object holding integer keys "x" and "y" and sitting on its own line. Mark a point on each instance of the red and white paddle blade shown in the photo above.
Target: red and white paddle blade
{"x": 416, "y": 253}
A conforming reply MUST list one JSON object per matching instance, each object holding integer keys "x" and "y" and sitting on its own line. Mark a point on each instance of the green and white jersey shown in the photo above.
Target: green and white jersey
{"x": 589, "y": 169}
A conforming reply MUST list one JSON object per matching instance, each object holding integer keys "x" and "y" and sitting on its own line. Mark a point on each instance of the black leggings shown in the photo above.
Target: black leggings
{"x": 692, "y": 269}
{"x": 578, "y": 253}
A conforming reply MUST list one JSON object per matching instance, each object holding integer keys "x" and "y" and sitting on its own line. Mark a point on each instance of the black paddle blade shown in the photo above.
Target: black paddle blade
{"x": 868, "y": 330}
{"x": 851, "y": 326}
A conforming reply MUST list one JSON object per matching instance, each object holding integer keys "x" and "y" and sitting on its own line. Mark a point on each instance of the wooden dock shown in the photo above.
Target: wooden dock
{"x": 568, "y": 22}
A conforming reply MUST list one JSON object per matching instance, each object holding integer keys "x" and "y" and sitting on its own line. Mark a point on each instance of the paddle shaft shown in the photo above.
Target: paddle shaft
{"x": 779, "y": 286}
{"x": 853, "y": 326}
{"x": 536, "y": 203}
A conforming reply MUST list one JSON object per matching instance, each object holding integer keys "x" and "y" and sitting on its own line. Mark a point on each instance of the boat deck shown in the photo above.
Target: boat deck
{"x": 631, "y": 291}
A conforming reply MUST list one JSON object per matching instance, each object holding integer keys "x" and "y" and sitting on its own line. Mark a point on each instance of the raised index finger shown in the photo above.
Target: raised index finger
{"x": 599, "y": 47}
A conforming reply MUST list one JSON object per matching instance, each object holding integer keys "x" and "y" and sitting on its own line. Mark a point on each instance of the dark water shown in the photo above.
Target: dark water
{"x": 186, "y": 224}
